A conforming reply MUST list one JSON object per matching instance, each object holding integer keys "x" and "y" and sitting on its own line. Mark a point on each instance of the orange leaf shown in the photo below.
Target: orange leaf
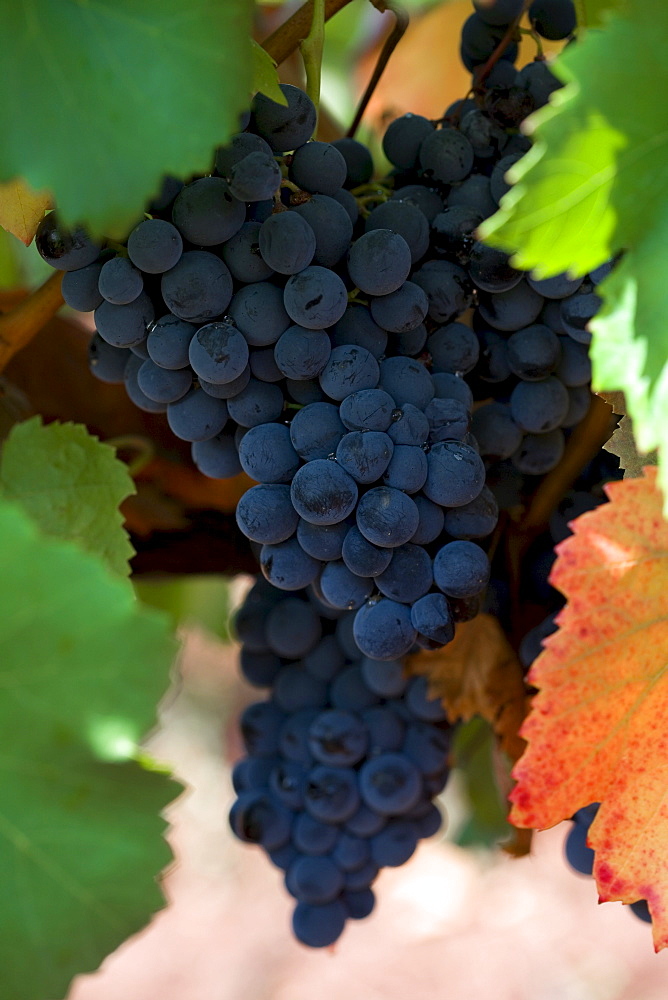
{"x": 22, "y": 209}
{"x": 478, "y": 674}
{"x": 598, "y": 728}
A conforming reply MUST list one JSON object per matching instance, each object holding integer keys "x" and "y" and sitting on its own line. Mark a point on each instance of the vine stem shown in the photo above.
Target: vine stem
{"x": 510, "y": 34}
{"x": 368, "y": 199}
{"x": 283, "y": 42}
{"x": 530, "y": 33}
{"x": 586, "y": 441}
{"x": 583, "y": 444}
{"x": 19, "y": 326}
{"x": 401, "y": 21}
{"x": 311, "y": 49}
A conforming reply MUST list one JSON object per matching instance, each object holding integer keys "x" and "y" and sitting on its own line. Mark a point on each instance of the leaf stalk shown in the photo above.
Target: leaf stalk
{"x": 311, "y": 49}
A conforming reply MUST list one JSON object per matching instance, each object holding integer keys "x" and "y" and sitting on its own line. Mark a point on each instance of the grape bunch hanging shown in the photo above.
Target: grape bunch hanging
{"x": 382, "y": 375}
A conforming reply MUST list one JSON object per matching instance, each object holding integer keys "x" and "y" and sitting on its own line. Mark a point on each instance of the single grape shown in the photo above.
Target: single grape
{"x": 284, "y": 127}
{"x": 265, "y": 513}
{"x": 206, "y": 213}
{"x": 318, "y": 167}
{"x": 66, "y": 250}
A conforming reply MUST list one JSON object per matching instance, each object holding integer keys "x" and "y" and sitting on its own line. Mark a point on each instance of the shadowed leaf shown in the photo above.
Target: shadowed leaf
{"x": 81, "y": 836}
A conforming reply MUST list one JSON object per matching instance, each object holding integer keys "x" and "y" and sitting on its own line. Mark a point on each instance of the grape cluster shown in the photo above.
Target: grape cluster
{"x": 486, "y": 27}
{"x": 537, "y": 373}
{"x": 344, "y": 758}
{"x": 367, "y": 529}
{"x": 321, "y": 349}
{"x": 390, "y": 383}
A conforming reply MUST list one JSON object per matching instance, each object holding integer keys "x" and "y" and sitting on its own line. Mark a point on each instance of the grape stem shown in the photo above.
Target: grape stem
{"x": 311, "y": 49}
{"x": 370, "y": 199}
{"x": 584, "y": 443}
{"x": 285, "y": 183}
{"x": 401, "y": 21}
{"x": 120, "y": 248}
{"x": 540, "y": 55}
{"x": 373, "y": 188}
{"x": 143, "y": 446}
{"x": 510, "y": 35}
{"x": 19, "y": 326}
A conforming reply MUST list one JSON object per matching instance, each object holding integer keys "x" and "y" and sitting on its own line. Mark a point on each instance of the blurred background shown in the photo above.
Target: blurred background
{"x": 457, "y": 921}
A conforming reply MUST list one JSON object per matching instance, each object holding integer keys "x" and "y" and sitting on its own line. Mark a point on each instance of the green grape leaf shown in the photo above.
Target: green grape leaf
{"x": 82, "y": 667}
{"x": 598, "y": 146}
{"x": 71, "y": 485}
{"x": 596, "y": 183}
{"x": 101, "y": 100}
{"x": 265, "y": 75}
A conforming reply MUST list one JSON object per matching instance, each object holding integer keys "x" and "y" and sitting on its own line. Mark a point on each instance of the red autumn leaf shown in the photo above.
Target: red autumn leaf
{"x": 598, "y": 729}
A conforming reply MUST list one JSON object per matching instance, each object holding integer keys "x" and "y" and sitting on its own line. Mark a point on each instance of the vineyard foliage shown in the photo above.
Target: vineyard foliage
{"x": 71, "y": 485}
{"x": 83, "y": 668}
{"x": 101, "y": 101}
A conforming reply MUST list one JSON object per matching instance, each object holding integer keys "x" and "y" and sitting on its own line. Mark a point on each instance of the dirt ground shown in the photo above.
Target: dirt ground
{"x": 451, "y": 923}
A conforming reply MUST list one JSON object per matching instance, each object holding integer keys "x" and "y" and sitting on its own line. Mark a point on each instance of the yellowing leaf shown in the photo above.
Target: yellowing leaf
{"x": 478, "y": 674}
{"x": 21, "y": 209}
{"x": 265, "y": 75}
{"x": 597, "y": 730}
{"x": 623, "y": 445}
